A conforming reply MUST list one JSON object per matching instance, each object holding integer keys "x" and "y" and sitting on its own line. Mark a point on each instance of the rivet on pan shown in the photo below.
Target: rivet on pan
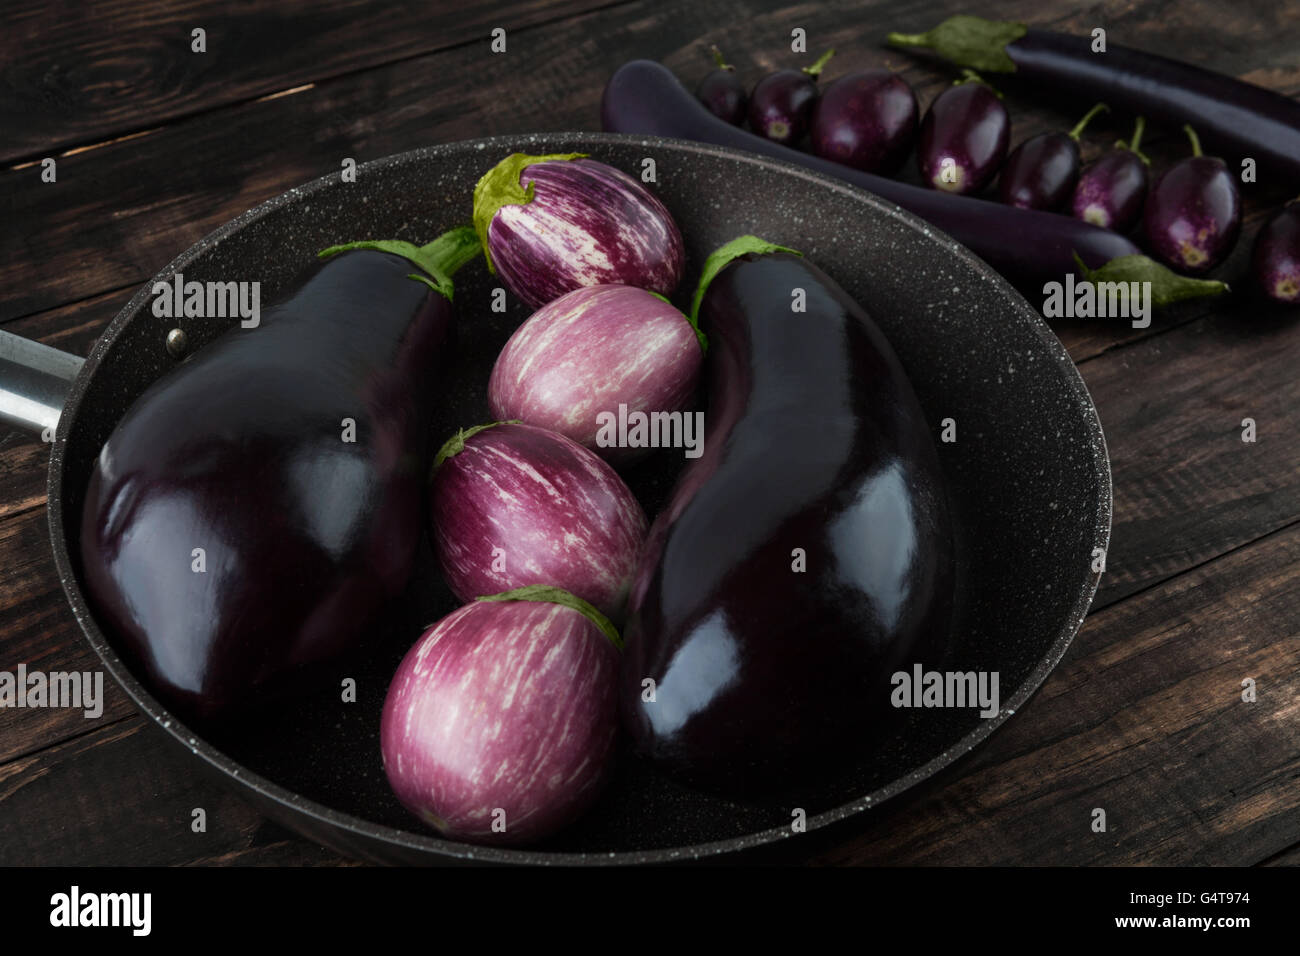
{"x": 176, "y": 342}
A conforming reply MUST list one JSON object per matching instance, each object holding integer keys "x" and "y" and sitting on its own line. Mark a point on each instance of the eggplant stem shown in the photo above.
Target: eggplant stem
{"x": 1132, "y": 144}
{"x": 717, "y": 58}
{"x": 815, "y": 70}
{"x": 1087, "y": 118}
{"x": 970, "y": 76}
{"x": 439, "y": 259}
{"x": 968, "y": 41}
{"x": 454, "y": 445}
{"x": 546, "y": 594}
{"x": 1196, "y": 140}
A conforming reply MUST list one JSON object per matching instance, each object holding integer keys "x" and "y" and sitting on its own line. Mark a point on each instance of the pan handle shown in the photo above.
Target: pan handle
{"x": 34, "y": 382}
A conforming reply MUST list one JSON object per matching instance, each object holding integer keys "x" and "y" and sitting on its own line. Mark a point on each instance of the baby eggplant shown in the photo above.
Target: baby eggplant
{"x": 513, "y": 505}
{"x": 1193, "y": 215}
{"x": 866, "y": 120}
{"x": 1112, "y": 189}
{"x": 781, "y": 104}
{"x": 963, "y": 137}
{"x": 256, "y": 507}
{"x": 552, "y": 224}
{"x": 1042, "y": 171}
{"x": 500, "y": 721}
{"x": 1276, "y": 260}
{"x": 578, "y": 359}
{"x": 804, "y": 558}
{"x": 722, "y": 92}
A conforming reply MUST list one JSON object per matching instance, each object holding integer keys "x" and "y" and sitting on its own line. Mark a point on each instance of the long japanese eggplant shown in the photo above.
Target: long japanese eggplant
{"x": 257, "y": 505}
{"x": 804, "y": 557}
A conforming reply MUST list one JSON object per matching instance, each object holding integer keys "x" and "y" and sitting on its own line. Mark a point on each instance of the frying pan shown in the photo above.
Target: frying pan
{"x": 1028, "y": 478}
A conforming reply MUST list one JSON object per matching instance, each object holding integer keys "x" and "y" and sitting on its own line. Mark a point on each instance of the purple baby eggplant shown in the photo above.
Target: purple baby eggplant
{"x": 722, "y": 92}
{"x": 866, "y": 120}
{"x": 1042, "y": 171}
{"x": 1193, "y": 215}
{"x": 781, "y": 104}
{"x": 513, "y": 505}
{"x": 500, "y": 721}
{"x": 1111, "y": 190}
{"x": 593, "y": 356}
{"x": 1276, "y": 261}
{"x": 552, "y": 224}
{"x": 963, "y": 137}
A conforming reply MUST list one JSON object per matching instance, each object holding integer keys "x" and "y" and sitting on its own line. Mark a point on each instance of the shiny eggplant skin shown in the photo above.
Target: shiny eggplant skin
{"x": 766, "y": 676}
{"x": 240, "y": 451}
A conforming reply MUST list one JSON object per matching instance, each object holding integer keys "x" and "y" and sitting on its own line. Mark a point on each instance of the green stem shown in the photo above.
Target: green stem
{"x": 551, "y": 595}
{"x": 440, "y": 259}
{"x": 721, "y": 257}
{"x": 454, "y": 445}
{"x": 1132, "y": 144}
{"x": 1196, "y": 140}
{"x": 1087, "y": 118}
{"x": 968, "y": 41}
{"x": 970, "y": 76}
{"x": 816, "y": 69}
{"x": 717, "y": 58}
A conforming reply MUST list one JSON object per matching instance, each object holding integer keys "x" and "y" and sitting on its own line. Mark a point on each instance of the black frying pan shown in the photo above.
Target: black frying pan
{"x": 1029, "y": 478}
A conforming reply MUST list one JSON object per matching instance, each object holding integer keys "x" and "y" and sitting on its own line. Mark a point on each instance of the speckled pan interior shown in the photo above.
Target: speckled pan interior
{"x": 1028, "y": 475}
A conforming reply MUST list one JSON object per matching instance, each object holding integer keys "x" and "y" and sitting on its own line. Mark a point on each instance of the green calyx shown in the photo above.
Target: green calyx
{"x": 970, "y": 76}
{"x": 439, "y": 259}
{"x": 454, "y": 445}
{"x": 968, "y": 41}
{"x": 717, "y": 58}
{"x": 546, "y": 594}
{"x": 819, "y": 64}
{"x": 1075, "y": 133}
{"x": 1134, "y": 140}
{"x": 721, "y": 257}
{"x": 500, "y": 187}
{"x": 1167, "y": 286}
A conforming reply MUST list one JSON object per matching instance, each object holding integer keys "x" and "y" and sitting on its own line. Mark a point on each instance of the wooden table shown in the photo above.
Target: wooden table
{"x": 156, "y": 145}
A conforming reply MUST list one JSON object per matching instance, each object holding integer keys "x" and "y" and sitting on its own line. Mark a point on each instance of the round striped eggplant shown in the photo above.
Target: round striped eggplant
{"x": 552, "y": 224}
{"x": 500, "y": 721}
{"x": 514, "y": 505}
{"x": 593, "y": 357}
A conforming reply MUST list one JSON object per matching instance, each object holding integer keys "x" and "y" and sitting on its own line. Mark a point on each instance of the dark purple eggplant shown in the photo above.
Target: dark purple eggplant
{"x": 1276, "y": 259}
{"x": 1236, "y": 117}
{"x": 513, "y": 505}
{"x": 1112, "y": 189}
{"x": 964, "y": 137}
{"x": 1193, "y": 215}
{"x": 1030, "y": 248}
{"x": 866, "y": 120}
{"x": 1041, "y": 172}
{"x": 804, "y": 558}
{"x": 500, "y": 721}
{"x": 257, "y": 506}
{"x": 552, "y": 224}
{"x": 781, "y": 104}
{"x": 722, "y": 93}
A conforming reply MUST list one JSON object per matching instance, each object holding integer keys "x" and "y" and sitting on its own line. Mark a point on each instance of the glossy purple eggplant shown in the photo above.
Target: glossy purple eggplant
{"x": 1041, "y": 172}
{"x": 258, "y": 505}
{"x": 963, "y": 137}
{"x": 512, "y": 505}
{"x": 804, "y": 558}
{"x": 500, "y": 721}
{"x": 1276, "y": 258}
{"x": 722, "y": 93}
{"x": 781, "y": 103}
{"x": 866, "y": 120}
{"x": 579, "y": 360}
{"x": 1193, "y": 215}
{"x": 1112, "y": 189}
{"x": 552, "y": 224}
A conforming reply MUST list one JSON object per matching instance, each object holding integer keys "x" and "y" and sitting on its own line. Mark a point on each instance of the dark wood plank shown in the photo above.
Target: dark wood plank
{"x": 79, "y": 73}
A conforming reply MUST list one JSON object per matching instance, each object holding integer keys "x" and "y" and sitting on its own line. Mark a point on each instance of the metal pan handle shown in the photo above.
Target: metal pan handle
{"x": 34, "y": 382}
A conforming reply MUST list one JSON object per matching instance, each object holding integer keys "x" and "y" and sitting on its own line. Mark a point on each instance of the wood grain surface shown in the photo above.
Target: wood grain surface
{"x": 156, "y": 146}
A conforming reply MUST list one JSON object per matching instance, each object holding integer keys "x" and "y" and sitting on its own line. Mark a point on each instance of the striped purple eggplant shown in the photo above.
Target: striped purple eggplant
{"x": 514, "y": 505}
{"x": 500, "y": 721}
{"x": 595, "y": 354}
{"x": 552, "y": 224}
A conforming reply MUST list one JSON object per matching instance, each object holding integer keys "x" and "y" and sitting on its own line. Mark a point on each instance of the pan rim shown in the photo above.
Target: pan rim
{"x": 296, "y": 805}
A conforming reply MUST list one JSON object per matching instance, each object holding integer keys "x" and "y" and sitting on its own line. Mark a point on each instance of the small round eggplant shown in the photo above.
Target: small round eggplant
{"x": 866, "y": 120}
{"x": 963, "y": 137}
{"x": 722, "y": 92}
{"x": 1193, "y": 215}
{"x": 1276, "y": 261}
{"x": 781, "y": 104}
{"x": 500, "y": 721}
{"x": 1041, "y": 172}
{"x": 582, "y": 356}
{"x": 552, "y": 224}
{"x": 1111, "y": 190}
{"x": 512, "y": 505}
